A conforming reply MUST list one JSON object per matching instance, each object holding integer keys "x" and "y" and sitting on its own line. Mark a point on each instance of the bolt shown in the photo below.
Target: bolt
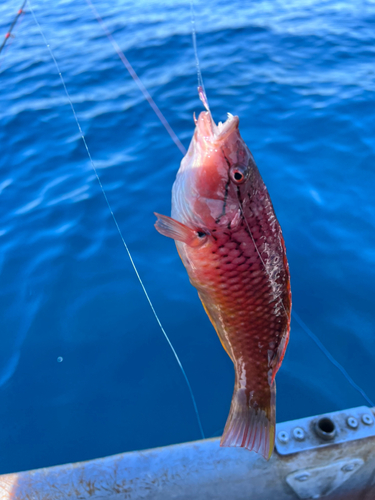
{"x": 352, "y": 422}
{"x": 283, "y": 437}
{"x": 302, "y": 477}
{"x": 299, "y": 434}
{"x": 367, "y": 419}
{"x": 348, "y": 467}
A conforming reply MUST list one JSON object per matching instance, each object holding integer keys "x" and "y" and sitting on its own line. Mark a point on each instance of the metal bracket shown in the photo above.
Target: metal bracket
{"x": 324, "y": 430}
{"x": 321, "y": 481}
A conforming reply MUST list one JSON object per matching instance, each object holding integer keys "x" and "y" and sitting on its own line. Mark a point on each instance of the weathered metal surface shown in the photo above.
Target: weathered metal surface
{"x": 198, "y": 470}
{"x": 316, "y": 482}
{"x": 323, "y": 430}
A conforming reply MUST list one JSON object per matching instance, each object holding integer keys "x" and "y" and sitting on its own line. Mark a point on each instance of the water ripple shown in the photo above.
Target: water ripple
{"x": 301, "y": 77}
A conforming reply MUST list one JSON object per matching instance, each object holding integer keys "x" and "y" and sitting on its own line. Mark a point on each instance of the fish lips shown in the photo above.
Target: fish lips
{"x": 208, "y": 131}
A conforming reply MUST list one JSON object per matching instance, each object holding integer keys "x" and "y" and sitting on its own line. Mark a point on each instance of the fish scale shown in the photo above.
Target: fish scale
{"x": 231, "y": 244}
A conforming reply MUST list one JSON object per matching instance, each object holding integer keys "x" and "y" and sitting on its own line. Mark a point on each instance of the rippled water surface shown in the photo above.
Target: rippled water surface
{"x": 84, "y": 369}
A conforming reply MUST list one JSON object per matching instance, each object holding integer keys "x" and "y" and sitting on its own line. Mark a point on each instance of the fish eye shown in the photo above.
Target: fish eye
{"x": 238, "y": 174}
{"x": 201, "y": 234}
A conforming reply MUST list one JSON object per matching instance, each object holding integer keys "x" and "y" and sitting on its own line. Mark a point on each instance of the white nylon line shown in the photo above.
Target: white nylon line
{"x": 118, "y": 227}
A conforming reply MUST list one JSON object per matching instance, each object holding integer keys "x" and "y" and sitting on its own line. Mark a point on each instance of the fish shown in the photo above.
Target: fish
{"x": 231, "y": 244}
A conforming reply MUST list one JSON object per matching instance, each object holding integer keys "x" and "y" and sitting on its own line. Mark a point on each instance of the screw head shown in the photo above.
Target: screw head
{"x": 367, "y": 419}
{"x": 283, "y": 437}
{"x": 348, "y": 467}
{"x": 299, "y": 434}
{"x": 352, "y": 422}
{"x": 304, "y": 476}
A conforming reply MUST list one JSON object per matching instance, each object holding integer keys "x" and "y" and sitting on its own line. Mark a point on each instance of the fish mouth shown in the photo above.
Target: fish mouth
{"x": 207, "y": 128}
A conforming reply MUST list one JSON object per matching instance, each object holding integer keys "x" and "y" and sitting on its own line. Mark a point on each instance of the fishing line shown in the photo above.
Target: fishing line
{"x": 203, "y": 97}
{"x": 137, "y": 80}
{"x": 259, "y": 254}
{"x": 118, "y": 227}
{"x": 201, "y": 89}
{"x": 307, "y": 330}
{"x": 331, "y": 358}
{"x": 293, "y": 313}
{"x": 175, "y": 139}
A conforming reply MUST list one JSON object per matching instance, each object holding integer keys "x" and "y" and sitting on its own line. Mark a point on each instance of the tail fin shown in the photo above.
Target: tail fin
{"x": 251, "y": 428}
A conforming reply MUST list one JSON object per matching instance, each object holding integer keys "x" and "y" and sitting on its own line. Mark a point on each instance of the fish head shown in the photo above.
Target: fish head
{"x": 215, "y": 173}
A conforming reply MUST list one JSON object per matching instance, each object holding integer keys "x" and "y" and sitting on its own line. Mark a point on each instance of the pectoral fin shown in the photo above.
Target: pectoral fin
{"x": 178, "y": 231}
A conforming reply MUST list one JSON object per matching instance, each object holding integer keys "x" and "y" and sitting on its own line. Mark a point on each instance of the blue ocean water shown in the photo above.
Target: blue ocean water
{"x": 84, "y": 369}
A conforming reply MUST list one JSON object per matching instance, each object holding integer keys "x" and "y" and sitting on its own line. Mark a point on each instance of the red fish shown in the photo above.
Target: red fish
{"x": 231, "y": 244}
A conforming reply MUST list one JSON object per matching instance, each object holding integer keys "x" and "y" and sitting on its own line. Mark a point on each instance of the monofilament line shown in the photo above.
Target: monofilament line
{"x": 203, "y": 98}
{"x": 326, "y": 352}
{"x": 308, "y": 331}
{"x": 137, "y": 80}
{"x": 201, "y": 90}
{"x": 117, "y": 225}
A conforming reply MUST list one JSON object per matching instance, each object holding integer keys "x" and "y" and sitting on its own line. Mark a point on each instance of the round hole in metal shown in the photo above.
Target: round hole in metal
{"x": 325, "y": 428}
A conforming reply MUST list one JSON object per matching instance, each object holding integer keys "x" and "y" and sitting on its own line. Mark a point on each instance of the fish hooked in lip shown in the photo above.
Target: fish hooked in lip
{"x": 231, "y": 244}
